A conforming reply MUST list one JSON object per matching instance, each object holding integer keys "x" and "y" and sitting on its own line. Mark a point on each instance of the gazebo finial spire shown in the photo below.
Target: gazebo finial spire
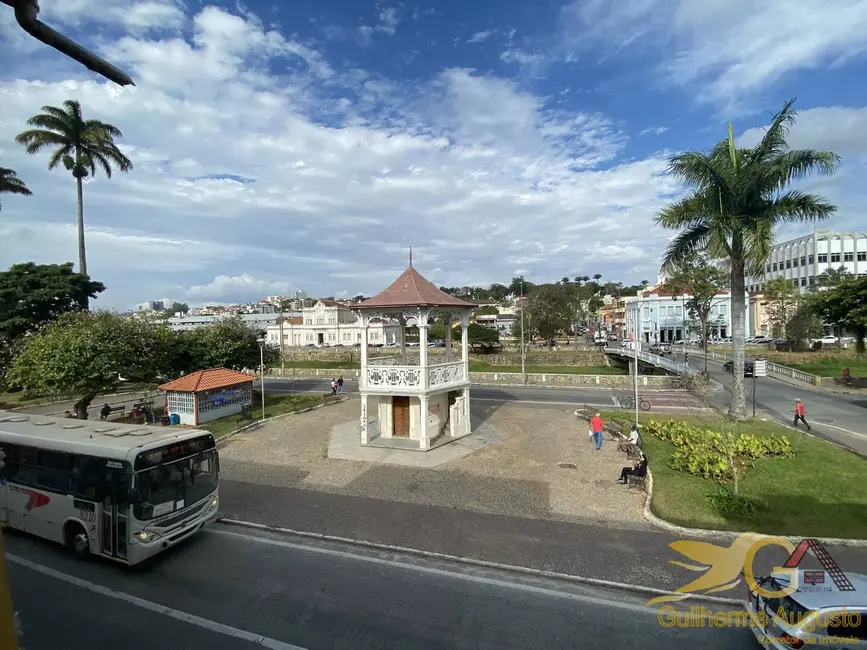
{"x": 410, "y": 257}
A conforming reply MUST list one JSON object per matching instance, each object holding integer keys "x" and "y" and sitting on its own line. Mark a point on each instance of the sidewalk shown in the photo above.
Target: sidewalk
{"x": 630, "y": 555}
{"x": 117, "y": 399}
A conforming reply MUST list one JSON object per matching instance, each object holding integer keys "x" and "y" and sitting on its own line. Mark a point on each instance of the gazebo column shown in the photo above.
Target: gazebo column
{"x": 401, "y": 336}
{"x": 365, "y": 434}
{"x": 423, "y": 439}
{"x": 448, "y": 338}
{"x": 465, "y": 357}
{"x": 423, "y": 349}
{"x": 362, "y": 378}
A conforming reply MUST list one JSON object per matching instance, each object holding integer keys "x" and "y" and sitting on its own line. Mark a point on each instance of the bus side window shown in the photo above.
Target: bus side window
{"x": 11, "y": 462}
{"x": 83, "y": 481}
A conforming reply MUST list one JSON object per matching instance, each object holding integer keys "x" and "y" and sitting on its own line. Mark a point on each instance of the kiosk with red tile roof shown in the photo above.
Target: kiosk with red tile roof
{"x": 206, "y": 395}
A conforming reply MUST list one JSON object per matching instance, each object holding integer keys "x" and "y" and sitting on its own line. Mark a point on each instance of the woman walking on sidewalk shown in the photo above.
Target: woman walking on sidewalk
{"x": 799, "y": 415}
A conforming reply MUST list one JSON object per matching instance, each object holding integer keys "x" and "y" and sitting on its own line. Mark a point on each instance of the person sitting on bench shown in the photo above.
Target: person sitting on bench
{"x": 632, "y": 440}
{"x": 638, "y": 469}
{"x": 104, "y": 412}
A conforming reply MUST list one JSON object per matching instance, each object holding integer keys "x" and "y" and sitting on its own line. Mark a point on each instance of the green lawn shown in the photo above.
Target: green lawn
{"x": 831, "y": 367}
{"x": 820, "y": 491}
{"x": 274, "y": 405}
{"x": 475, "y": 366}
{"x": 18, "y": 399}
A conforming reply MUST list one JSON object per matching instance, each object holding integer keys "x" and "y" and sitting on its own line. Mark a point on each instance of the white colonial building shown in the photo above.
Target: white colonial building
{"x": 405, "y": 395}
{"x": 329, "y": 324}
{"x": 660, "y": 316}
{"x": 804, "y": 258}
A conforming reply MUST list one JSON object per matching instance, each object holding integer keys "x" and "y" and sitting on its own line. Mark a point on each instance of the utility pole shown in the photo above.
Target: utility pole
{"x": 523, "y": 350}
{"x": 282, "y": 344}
{"x": 635, "y": 361}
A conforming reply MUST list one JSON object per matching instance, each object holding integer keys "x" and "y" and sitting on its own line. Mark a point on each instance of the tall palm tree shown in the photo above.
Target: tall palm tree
{"x": 80, "y": 145}
{"x": 737, "y": 197}
{"x": 11, "y": 184}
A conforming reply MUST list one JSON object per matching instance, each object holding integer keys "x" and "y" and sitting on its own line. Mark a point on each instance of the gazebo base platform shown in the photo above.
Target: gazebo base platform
{"x": 412, "y": 445}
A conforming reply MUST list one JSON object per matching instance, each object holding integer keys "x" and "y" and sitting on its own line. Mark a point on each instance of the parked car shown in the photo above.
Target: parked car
{"x": 660, "y": 348}
{"x": 827, "y": 340}
{"x": 820, "y": 616}
{"x": 749, "y": 367}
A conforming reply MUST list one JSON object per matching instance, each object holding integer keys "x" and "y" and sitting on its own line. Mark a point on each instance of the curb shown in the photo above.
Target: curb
{"x": 611, "y": 584}
{"x": 258, "y": 423}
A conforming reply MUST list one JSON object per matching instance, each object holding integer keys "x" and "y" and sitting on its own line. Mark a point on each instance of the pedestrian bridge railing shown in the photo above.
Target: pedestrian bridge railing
{"x": 773, "y": 368}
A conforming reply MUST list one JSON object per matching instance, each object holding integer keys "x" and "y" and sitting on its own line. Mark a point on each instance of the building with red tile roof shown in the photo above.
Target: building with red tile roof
{"x": 207, "y": 395}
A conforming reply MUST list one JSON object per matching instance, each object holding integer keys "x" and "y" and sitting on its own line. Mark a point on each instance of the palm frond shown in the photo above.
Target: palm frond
{"x": 73, "y": 109}
{"x": 50, "y": 122}
{"x": 11, "y": 184}
{"x": 690, "y": 211}
{"x": 58, "y": 155}
{"x": 797, "y": 164}
{"x": 774, "y": 143}
{"x": 686, "y": 243}
{"x": 796, "y": 206}
{"x": 697, "y": 170}
{"x": 103, "y": 162}
{"x": 109, "y": 129}
{"x": 59, "y": 113}
{"x": 36, "y": 140}
{"x": 757, "y": 243}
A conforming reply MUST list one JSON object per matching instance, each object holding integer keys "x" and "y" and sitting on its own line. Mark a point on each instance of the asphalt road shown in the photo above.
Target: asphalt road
{"x": 232, "y": 589}
{"x": 530, "y": 395}
{"x": 838, "y": 417}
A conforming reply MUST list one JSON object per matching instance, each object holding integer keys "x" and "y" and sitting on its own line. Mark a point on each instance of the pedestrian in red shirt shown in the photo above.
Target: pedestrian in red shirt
{"x": 799, "y": 414}
{"x": 596, "y": 426}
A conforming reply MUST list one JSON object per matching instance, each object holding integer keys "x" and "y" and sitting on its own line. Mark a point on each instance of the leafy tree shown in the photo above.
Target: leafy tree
{"x": 781, "y": 299}
{"x": 11, "y": 184}
{"x": 80, "y": 145}
{"x": 846, "y": 306}
{"x": 480, "y": 336}
{"x": 830, "y": 278}
{"x": 698, "y": 277}
{"x": 85, "y": 354}
{"x": 498, "y": 292}
{"x": 33, "y": 294}
{"x": 803, "y": 326}
{"x": 181, "y": 307}
{"x": 737, "y": 197}
{"x": 519, "y": 285}
{"x": 488, "y": 310}
{"x": 550, "y": 309}
{"x": 228, "y": 343}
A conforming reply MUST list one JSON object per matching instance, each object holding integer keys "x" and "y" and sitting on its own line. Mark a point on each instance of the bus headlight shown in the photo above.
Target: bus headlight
{"x": 146, "y": 535}
{"x": 214, "y": 501}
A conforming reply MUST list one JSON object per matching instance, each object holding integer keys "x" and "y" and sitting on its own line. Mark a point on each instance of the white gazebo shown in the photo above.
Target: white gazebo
{"x": 404, "y": 395}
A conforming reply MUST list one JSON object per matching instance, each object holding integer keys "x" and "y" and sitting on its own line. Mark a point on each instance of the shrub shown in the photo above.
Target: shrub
{"x": 725, "y": 502}
{"x": 711, "y": 454}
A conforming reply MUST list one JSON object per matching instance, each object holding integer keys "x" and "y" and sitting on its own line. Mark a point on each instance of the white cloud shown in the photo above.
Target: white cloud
{"x": 322, "y": 177}
{"x": 515, "y": 55}
{"x": 655, "y": 130}
{"x": 730, "y": 49}
{"x": 132, "y": 16}
{"x": 239, "y": 287}
{"x": 480, "y": 37}
{"x": 388, "y": 20}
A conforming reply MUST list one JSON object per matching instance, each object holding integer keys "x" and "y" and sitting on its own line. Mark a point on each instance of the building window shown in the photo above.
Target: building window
{"x": 812, "y": 279}
{"x": 848, "y": 257}
{"x": 803, "y": 260}
{"x": 775, "y": 266}
{"x": 811, "y": 259}
{"x": 795, "y": 262}
{"x": 803, "y": 282}
{"x": 788, "y": 264}
{"x": 823, "y": 258}
{"x": 768, "y": 268}
{"x": 862, "y": 256}
{"x": 835, "y": 258}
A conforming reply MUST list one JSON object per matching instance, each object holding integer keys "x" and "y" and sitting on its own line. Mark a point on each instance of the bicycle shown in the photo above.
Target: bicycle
{"x": 628, "y": 403}
{"x": 683, "y": 382}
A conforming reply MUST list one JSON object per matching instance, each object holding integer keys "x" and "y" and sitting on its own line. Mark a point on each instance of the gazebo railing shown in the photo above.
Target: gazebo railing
{"x": 414, "y": 378}
{"x": 443, "y": 374}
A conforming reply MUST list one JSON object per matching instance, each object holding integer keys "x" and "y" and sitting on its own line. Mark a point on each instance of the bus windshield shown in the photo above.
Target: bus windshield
{"x": 175, "y": 485}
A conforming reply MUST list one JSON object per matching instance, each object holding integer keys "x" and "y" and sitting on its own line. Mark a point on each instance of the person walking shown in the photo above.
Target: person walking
{"x": 596, "y": 427}
{"x": 799, "y": 414}
{"x": 340, "y": 385}
{"x": 334, "y": 387}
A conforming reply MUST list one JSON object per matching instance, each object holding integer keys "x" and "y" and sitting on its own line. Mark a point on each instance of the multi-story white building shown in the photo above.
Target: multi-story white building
{"x": 660, "y": 316}
{"x": 330, "y": 323}
{"x": 151, "y": 305}
{"x": 804, "y": 258}
{"x": 258, "y": 321}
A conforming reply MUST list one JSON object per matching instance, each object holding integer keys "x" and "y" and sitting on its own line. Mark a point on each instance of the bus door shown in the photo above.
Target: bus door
{"x": 115, "y": 513}
{"x": 4, "y": 515}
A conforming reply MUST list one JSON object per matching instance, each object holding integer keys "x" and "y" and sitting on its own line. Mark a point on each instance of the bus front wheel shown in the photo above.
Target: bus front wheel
{"x": 77, "y": 540}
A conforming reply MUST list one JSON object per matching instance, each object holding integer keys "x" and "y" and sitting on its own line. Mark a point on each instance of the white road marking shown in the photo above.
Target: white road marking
{"x": 851, "y": 433}
{"x": 579, "y": 403}
{"x": 593, "y": 600}
{"x": 198, "y": 621}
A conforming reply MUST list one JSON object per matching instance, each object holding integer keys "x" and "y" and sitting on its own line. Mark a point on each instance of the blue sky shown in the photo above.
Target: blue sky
{"x": 307, "y": 146}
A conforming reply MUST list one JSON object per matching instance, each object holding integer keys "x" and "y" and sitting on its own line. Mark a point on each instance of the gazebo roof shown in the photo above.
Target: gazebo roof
{"x": 411, "y": 289}
{"x": 207, "y": 380}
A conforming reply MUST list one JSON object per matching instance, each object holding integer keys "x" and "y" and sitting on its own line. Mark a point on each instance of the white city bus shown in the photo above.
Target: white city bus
{"x": 120, "y": 491}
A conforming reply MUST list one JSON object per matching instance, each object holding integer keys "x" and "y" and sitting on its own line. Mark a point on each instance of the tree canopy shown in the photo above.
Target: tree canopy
{"x": 550, "y": 309}
{"x": 781, "y": 300}
{"x": 480, "y": 336}
{"x": 844, "y": 305}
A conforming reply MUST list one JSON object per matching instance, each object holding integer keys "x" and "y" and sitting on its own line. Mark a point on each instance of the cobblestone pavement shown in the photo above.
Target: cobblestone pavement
{"x": 518, "y": 474}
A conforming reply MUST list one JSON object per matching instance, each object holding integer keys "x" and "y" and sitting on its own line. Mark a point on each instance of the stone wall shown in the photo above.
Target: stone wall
{"x": 540, "y": 358}
{"x": 503, "y": 378}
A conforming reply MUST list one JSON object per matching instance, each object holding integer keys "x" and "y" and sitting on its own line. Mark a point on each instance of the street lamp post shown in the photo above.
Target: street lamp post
{"x": 523, "y": 350}
{"x": 261, "y": 342}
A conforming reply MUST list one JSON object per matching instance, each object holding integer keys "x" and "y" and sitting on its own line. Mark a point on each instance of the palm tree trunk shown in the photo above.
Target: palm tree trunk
{"x": 737, "y": 407}
{"x": 82, "y": 255}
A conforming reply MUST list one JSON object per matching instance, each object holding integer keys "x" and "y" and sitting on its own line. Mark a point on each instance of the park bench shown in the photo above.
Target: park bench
{"x": 636, "y": 481}
{"x": 114, "y": 410}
